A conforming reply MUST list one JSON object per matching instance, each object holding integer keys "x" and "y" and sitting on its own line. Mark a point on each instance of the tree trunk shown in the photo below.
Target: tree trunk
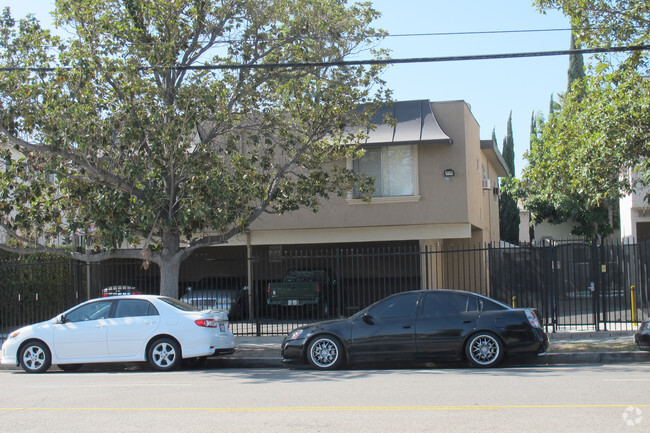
{"x": 170, "y": 264}
{"x": 169, "y": 278}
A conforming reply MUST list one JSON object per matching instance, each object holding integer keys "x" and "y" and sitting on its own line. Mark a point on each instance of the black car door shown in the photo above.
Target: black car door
{"x": 387, "y": 329}
{"x": 444, "y": 321}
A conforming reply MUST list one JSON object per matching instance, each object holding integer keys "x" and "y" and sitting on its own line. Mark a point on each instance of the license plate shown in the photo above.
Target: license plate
{"x": 293, "y": 302}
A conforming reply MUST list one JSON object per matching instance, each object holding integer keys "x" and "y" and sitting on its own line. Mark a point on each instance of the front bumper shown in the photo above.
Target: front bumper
{"x": 293, "y": 351}
{"x": 642, "y": 339}
{"x": 9, "y": 356}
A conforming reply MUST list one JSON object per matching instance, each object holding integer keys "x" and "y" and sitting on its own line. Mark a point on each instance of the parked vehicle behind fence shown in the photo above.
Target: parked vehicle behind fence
{"x": 219, "y": 293}
{"x": 313, "y": 288}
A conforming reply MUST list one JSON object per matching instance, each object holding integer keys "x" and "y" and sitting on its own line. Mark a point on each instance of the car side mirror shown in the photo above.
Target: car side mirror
{"x": 368, "y": 319}
{"x": 60, "y": 319}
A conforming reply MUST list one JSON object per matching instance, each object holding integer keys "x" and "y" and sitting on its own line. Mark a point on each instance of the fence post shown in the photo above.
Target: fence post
{"x": 633, "y": 305}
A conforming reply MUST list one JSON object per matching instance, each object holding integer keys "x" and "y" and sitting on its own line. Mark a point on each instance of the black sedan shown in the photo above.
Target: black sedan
{"x": 420, "y": 325}
{"x": 642, "y": 336}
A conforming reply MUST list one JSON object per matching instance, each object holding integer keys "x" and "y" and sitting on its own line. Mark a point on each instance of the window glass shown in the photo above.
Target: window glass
{"x": 92, "y": 311}
{"x": 436, "y": 304}
{"x": 489, "y": 305}
{"x": 181, "y": 305}
{"x": 391, "y": 167}
{"x": 395, "y": 306}
{"x": 134, "y": 308}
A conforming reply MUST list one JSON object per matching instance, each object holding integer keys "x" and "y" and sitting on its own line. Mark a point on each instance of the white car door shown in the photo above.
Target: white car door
{"x": 131, "y": 327}
{"x": 83, "y": 334}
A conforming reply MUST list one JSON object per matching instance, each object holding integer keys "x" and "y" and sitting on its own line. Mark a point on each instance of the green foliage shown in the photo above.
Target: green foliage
{"x": 129, "y": 138}
{"x": 577, "y": 165}
{"x": 508, "y": 209}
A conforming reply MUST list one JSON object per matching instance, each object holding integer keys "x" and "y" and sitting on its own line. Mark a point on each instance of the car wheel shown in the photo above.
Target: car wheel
{"x": 70, "y": 367}
{"x": 35, "y": 357}
{"x": 484, "y": 350}
{"x": 325, "y": 353}
{"x": 164, "y": 354}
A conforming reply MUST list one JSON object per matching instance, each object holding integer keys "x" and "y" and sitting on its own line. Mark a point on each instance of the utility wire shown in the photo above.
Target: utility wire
{"x": 484, "y": 32}
{"x": 289, "y": 65}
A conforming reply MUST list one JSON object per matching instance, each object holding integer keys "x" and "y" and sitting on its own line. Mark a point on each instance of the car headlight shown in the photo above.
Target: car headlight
{"x": 294, "y": 335}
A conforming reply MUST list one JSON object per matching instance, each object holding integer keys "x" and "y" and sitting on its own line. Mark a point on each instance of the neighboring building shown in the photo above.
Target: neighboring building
{"x": 635, "y": 214}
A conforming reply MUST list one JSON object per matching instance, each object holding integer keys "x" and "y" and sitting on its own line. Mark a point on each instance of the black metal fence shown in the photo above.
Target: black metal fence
{"x": 573, "y": 285}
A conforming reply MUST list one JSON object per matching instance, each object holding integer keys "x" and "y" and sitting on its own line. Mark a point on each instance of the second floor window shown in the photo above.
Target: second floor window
{"x": 392, "y": 167}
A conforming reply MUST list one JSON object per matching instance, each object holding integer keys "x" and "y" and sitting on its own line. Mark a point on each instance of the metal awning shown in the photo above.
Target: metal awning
{"x": 413, "y": 123}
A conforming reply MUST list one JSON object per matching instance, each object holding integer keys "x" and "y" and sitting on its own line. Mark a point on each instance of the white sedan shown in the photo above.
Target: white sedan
{"x": 162, "y": 331}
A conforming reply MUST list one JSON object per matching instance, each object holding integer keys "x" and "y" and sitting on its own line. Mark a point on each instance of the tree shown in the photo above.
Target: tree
{"x": 602, "y": 127}
{"x": 160, "y": 127}
{"x": 508, "y": 208}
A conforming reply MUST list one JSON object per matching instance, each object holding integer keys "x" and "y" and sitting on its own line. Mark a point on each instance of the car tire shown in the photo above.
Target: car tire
{"x": 325, "y": 352}
{"x": 484, "y": 350}
{"x": 70, "y": 367}
{"x": 164, "y": 354}
{"x": 35, "y": 357}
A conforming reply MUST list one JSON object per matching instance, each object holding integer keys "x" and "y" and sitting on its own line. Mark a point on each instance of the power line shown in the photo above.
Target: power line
{"x": 484, "y": 32}
{"x": 342, "y": 63}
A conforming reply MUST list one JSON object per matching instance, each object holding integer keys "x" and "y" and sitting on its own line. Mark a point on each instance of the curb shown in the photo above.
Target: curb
{"x": 550, "y": 359}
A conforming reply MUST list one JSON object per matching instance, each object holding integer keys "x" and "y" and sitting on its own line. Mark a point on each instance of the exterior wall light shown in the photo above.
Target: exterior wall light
{"x": 448, "y": 172}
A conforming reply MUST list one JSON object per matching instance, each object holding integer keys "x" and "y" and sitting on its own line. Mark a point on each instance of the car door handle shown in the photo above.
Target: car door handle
{"x": 407, "y": 326}
{"x": 101, "y": 325}
{"x": 467, "y": 321}
{"x": 149, "y": 322}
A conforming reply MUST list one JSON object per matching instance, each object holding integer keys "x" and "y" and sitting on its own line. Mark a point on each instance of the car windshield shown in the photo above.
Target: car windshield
{"x": 181, "y": 305}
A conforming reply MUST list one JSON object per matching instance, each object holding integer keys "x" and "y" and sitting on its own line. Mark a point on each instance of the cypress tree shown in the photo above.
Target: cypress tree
{"x": 508, "y": 209}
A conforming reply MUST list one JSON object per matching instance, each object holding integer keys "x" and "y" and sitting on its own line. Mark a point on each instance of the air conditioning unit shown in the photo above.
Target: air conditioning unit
{"x": 487, "y": 184}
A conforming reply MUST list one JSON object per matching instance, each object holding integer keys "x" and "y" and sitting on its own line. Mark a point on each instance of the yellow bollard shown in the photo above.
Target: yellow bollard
{"x": 633, "y": 305}
{"x": 514, "y": 302}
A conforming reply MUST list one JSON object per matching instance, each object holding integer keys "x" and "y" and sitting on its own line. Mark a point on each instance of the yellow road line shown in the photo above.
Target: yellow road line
{"x": 322, "y": 408}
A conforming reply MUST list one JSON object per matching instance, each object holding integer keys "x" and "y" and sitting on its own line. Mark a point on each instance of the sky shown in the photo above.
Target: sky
{"x": 492, "y": 88}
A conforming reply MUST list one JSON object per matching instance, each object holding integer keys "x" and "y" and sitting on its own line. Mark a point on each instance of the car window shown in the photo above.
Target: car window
{"x": 92, "y": 311}
{"x": 436, "y": 304}
{"x": 134, "y": 308}
{"x": 489, "y": 305}
{"x": 395, "y": 306}
{"x": 181, "y": 305}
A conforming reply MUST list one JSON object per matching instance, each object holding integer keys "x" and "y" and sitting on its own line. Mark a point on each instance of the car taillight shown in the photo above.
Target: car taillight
{"x": 207, "y": 323}
{"x": 532, "y": 319}
{"x": 317, "y": 288}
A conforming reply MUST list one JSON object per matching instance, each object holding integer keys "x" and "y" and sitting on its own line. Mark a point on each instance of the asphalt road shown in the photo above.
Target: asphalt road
{"x": 608, "y": 398}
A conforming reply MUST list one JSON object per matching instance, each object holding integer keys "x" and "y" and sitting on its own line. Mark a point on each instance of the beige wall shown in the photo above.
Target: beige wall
{"x": 456, "y": 208}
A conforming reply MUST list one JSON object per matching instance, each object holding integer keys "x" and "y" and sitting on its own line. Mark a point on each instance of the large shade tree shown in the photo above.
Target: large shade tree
{"x": 577, "y": 169}
{"x": 156, "y": 127}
